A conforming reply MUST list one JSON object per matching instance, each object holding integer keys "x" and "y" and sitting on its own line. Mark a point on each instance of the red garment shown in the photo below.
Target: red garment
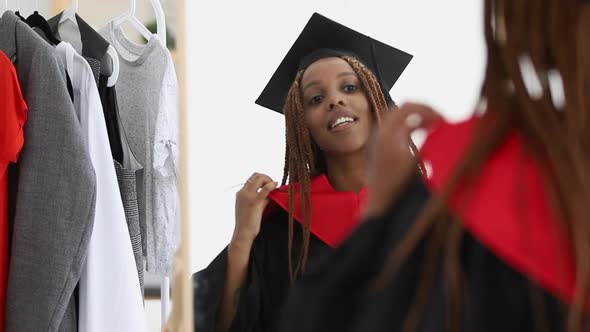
{"x": 334, "y": 215}
{"x": 13, "y": 115}
{"x": 506, "y": 207}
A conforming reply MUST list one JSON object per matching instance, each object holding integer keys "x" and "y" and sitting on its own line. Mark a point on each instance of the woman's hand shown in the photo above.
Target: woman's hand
{"x": 251, "y": 201}
{"x": 391, "y": 163}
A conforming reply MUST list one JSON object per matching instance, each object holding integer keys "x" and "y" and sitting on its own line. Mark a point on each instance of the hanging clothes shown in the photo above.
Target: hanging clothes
{"x": 88, "y": 43}
{"x": 56, "y": 191}
{"x": 127, "y": 177}
{"x": 110, "y": 296}
{"x": 13, "y": 115}
{"x": 147, "y": 91}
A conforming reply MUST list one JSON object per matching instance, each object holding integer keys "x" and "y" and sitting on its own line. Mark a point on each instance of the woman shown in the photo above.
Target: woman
{"x": 497, "y": 238}
{"x": 331, "y": 98}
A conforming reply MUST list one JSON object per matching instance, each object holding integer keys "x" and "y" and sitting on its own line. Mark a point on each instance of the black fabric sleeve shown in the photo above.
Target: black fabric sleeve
{"x": 267, "y": 283}
{"x": 209, "y": 284}
{"x": 108, "y": 98}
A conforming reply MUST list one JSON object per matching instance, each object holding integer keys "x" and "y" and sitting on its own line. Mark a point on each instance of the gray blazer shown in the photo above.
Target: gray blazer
{"x": 55, "y": 195}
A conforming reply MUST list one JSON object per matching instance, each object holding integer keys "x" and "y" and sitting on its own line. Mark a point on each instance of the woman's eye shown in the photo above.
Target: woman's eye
{"x": 315, "y": 100}
{"x": 350, "y": 88}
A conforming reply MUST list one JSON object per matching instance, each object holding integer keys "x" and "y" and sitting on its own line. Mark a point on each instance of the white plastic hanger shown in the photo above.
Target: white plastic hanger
{"x": 160, "y": 20}
{"x": 131, "y": 18}
{"x": 111, "y": 52}
{"x": 70, "y": 15}
{"x": 4, "y": 7}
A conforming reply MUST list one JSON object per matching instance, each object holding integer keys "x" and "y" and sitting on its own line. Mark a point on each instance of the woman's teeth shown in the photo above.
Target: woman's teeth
{"x": 341, "y": 121}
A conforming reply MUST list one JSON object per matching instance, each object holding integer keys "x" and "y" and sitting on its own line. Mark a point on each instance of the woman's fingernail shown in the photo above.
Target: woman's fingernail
{"x": 413, "y": 120}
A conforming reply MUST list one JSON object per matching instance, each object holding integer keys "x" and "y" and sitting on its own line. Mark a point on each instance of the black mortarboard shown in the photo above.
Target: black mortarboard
{"x": 322, "y": 38}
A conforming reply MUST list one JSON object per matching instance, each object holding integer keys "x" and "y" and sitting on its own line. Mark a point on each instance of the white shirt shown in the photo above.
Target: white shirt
{"x": 110, "y": 294}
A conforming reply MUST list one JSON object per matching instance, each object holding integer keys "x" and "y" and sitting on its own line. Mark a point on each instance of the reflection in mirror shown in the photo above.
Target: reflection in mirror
{"x": 332, "y": 87}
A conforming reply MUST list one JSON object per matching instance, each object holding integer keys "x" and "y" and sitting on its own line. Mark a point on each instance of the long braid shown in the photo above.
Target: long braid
{"x": 557, "y": 135}
{"x": 286, "y": 166}
{"x": 376, "y": 97}
{"x": 299, "y": 160}
{"x": 369, "y": 81}
{"x": 569, "y": 165}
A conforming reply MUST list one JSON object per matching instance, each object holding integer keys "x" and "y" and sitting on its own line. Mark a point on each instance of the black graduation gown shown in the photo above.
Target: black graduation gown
{"x": 518, "y": 272}
{"x": 496, "y": 297}
{"x": 267, "y": 281}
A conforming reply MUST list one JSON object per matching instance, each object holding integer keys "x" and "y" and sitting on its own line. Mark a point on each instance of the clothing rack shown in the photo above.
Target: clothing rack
{"x": 161, "y": 33}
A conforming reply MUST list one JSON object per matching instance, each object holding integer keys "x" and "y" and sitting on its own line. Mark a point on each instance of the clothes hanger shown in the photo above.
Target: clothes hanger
{"x": 131, "y": 18}
{"x": 35, "y": 20}
{"x": 70, "y": 15}
{"x": 4, "y": 7}
{"x": 147, "y": 34}
{"x": 112, "y": 53}
{"x": 160, "y": 20}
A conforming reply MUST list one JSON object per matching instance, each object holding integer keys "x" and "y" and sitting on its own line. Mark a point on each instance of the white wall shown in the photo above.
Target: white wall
{"x": 234, "y": 48}
{"x": 26, "y": 7}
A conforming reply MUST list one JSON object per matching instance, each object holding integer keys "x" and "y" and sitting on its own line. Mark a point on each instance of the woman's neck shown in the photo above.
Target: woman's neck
{"x": 347, "y": 172}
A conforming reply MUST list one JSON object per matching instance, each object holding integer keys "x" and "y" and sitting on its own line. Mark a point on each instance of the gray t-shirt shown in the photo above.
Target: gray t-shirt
{"x": 147, "y": 93}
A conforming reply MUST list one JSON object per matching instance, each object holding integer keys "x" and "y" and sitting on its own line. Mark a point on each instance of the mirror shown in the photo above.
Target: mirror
{"x": 233, "y": 54}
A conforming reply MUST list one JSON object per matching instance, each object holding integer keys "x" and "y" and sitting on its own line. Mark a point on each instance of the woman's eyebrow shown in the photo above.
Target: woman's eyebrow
{"x": 346, "y": 73}
{"x": 312, "y": 83}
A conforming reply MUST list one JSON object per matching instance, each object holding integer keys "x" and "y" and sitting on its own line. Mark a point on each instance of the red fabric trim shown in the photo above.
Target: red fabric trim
{"x": 506, "y": 207}
{"x": 334, "y": 216}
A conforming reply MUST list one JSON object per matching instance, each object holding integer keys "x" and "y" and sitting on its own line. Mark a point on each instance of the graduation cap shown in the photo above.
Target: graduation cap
{"x": 323, "y": 38}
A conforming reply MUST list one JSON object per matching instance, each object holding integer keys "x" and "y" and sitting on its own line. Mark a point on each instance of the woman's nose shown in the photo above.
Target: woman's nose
{"x": 337, "y": 100}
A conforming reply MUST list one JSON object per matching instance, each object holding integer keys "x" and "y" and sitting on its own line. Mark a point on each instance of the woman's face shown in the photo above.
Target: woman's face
{"x": 337, "y": 111}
